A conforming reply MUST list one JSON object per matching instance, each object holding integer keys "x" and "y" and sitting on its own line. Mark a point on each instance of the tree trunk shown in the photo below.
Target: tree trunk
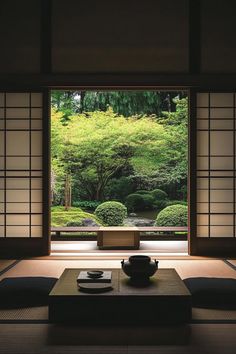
{"x": 98, "y": 194}
{"x": 52, "y": 187}
{"x": 82, "y": 97}
{"x": 67, "y": 192}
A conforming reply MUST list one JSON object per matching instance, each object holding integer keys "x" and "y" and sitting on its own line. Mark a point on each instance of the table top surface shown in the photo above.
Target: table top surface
{"x": 165, "y": 282}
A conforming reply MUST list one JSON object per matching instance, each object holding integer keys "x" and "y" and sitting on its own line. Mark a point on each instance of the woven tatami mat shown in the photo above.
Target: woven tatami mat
{"x": 26, "y": 313}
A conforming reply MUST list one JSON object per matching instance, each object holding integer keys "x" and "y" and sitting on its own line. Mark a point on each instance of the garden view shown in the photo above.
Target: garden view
{"x": 119, "y": 158}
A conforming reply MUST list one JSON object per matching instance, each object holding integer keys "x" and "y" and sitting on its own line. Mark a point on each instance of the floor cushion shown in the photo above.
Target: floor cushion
{"x": 25, "y": 291}
{"x": 212, "y": 292}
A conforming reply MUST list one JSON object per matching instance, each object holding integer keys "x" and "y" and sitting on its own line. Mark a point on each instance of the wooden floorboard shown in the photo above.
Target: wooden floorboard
{"x": 45, "y": 339}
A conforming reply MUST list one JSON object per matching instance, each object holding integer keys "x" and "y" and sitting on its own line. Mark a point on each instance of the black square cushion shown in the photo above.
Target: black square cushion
{"x": 217, "y": 293}
{"x": 25, "y": 291}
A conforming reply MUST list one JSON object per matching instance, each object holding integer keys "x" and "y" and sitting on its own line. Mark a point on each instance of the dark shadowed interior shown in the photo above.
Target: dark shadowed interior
{"x": 50, "y": 46}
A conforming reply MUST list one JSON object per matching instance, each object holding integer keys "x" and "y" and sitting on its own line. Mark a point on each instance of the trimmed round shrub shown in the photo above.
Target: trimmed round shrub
{"x": 159, "y": 194}
{"x": 174, "y": 215}
{"x": 142, "y": 191}
{"x": 118, "y": 188}
{"x": 174, "y": 202}
{"x": 160, "y": 204}
{"x": 111, "y": 213}
{"x": 135, "y": 202}
{"x": 148, "y": 201}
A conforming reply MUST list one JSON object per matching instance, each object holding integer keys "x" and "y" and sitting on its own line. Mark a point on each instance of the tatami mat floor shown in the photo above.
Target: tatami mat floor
{"x": 54, "y": 268}
{"x": 185, "y": 267}
{"x": 232, "y": 261}
{"x": 26, "y": 331}
{"x": 5, "y": 263}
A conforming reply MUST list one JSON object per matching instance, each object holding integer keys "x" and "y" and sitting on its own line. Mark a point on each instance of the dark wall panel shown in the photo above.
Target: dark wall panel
{"x": 20, "y": 36}
{"x": 218, "y": 36}
{"x": 120, "y": 36}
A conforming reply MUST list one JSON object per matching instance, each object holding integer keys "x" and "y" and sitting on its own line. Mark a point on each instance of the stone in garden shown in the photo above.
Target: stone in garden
{"x": 138, "y": 222}
{"x": 89, "y": 222}
{"x": 144, "y": 222}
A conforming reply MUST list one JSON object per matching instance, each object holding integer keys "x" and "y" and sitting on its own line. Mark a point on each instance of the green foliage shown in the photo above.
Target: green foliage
{"x": 126, "y": 103}
{"x": 60, "y": 208}
{"x": 141, "y": 191}
{"x": 145, "y": 182}
{"x": 158, "y": 194}
{"x": 111, "y": 213}
{"x": 175, "y": 215}
{"x": 135, "y": 102}
{"x": 148, "y": 201}
{"x": 118, "y": 188}
{"x": 174, "y": 202}
{"x": 184, "y": 192}
{"x": 180, "y": 116}
{"x": 95, "y": 147}
{"x": 75, "y": 223}
{"x": 143, "y": 199}
{"x": 173, "y": 171}
{"x": 65, "y": 102}
{"x": 86, "y": 204}
{"x": 113, "y": 143}
{"x": 134, "y": 202}
{"x": 160, "y": 204}
{"x": 60, "y": 217}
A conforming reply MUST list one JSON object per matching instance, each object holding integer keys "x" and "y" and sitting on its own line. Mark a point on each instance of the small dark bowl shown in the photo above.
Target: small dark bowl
{"x": 95, "y": 273}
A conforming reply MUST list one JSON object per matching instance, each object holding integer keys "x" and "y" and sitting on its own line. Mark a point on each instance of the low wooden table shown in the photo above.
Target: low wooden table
{"x": 166, "y": 300}
{"x": 118, "y": 237}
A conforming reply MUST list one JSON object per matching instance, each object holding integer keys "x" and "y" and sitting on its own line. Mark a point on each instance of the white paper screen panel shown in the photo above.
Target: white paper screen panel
{"x": 21, "y": 187}
{"x": 216, "y": 163}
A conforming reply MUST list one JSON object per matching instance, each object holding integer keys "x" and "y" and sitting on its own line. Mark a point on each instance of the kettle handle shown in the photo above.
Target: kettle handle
{"x": 156, "y": 262}
{"x": 122, "y": 262}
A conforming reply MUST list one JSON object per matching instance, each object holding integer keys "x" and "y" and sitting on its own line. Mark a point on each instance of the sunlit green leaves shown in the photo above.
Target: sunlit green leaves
{"x": 96, "y": 147}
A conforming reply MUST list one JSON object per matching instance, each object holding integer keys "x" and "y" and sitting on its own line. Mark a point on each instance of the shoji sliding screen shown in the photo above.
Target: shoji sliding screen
{"x": 21, "y": 166}
{"x": 216, "y": 166}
